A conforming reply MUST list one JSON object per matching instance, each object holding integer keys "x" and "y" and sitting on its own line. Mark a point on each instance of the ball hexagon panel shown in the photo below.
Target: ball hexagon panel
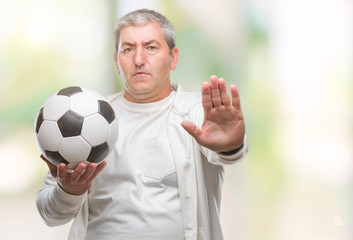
{"x": 83, "y": 104}
{"x": 55, "y": 107}
{"x": 113, "y": 134}
{"x": 74, "y": 149}
{"x": 49, "y": 136}
{"x": 93, "y": 94}
{"x": 95, "y": 129}
{"x": 70, "y": 124}
{"x": 106, "y": 110}
{"x": 98, "y": 153}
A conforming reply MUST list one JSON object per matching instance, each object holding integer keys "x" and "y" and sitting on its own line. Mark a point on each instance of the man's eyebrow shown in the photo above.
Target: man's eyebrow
{"x": 150, "y": 42}
{"x": 127, "y": 44}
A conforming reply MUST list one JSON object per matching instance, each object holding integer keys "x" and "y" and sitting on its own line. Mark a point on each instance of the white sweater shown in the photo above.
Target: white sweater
{"x": 199, "y": 177}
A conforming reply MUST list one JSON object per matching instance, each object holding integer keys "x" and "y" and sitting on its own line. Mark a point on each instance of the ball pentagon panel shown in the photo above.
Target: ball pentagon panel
{"x": 55, "y": 157}
{"x": 106, "y": 110}
{"x": 69, "y": 91}
{"x": 39, "y": 120}
{"x": 70, "y": 124}
{"x": 113, "y": 134}
{"x": 98, "y": 153}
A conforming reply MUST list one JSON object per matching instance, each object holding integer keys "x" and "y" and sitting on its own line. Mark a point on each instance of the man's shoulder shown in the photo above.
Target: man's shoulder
{"x": 185, "y": 101}
{"x": 110, "y": 98}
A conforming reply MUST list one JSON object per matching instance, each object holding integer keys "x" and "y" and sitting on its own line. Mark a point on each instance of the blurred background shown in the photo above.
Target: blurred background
{"x": 291, "y": 60}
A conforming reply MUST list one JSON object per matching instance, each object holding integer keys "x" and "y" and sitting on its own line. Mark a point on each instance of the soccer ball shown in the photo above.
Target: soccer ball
{"x": 74, "y": 125}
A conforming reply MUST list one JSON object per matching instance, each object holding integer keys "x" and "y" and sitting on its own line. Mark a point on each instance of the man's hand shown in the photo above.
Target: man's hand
{"x": 78, "y": 181}
{"x": 223, "y": 128}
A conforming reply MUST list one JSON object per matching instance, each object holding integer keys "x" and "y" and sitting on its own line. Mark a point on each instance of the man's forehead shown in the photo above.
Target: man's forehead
{"x": 146, "y": 42}
{"x": 141, "y": 33}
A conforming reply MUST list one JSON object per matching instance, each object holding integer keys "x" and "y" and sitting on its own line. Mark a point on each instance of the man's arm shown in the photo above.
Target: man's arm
{"x": 63, "y": 192}
{"x": 55, "y": 206}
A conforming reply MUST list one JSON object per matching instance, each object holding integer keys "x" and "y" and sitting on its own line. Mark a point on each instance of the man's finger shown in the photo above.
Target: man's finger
{"x": 206, "y": 97}
{"x": 192, "y": 129}
{"x": 98, "y": 169}
{"x": 235, "y": 96}
{"x": 223, "y": 91}
{"x": 89, "y": 172}
{"x": 79, "y": 170}
{"x": 215, "y": 94}
{"x": 61, "y": 172}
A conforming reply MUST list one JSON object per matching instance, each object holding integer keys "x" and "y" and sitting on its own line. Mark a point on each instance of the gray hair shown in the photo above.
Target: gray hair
{"x": 143, "y": 17}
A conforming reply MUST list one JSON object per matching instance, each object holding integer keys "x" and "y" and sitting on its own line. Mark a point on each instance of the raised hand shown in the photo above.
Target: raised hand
{"x": 223, "y": 128}
{"x": 78, "y": 181}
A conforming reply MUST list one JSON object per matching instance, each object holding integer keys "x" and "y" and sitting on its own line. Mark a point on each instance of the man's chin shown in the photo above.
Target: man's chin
{"x": 139, "y": 89}
{"x": 139, "y": 96}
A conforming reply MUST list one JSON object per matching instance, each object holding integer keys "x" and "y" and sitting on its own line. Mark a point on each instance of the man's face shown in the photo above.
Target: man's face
{"x": 144, "y": 62}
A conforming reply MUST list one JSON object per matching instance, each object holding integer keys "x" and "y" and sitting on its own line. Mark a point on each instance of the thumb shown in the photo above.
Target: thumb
{"x": 192, "y": 129}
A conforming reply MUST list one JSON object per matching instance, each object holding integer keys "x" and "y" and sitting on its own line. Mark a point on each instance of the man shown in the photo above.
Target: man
{"x": 163, "y": 179}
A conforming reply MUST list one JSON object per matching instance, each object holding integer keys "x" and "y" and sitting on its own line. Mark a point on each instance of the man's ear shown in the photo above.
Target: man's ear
{"x": 175, "y": 57}
{"x": 116, "y": 63}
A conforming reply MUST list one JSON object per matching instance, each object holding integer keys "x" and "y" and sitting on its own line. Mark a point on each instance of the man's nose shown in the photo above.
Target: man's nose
{"x": 140, "y": 56}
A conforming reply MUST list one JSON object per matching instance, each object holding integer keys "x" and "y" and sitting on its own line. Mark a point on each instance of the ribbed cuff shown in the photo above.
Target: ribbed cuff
{"x": 67, "y": 199}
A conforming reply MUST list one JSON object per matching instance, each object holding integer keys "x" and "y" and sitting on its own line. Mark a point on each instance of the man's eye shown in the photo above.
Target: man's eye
{"x": 127, "y": 50}
{"x": 151, "y": 49}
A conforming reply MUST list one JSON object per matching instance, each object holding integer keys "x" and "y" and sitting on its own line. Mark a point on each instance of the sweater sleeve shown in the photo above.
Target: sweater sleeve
{"x": 222, "y": 159}
{"x": 55, "y": 206}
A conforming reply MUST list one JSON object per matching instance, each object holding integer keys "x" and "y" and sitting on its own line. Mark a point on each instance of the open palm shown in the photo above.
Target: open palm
{"x": 223, "y": 128}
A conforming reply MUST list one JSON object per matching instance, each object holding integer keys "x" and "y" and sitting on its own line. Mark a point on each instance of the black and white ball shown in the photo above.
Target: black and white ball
{"x": 74, "y": 125}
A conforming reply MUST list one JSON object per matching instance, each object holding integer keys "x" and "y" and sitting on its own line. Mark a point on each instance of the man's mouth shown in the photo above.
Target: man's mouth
{"x": 140, "y": 73}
